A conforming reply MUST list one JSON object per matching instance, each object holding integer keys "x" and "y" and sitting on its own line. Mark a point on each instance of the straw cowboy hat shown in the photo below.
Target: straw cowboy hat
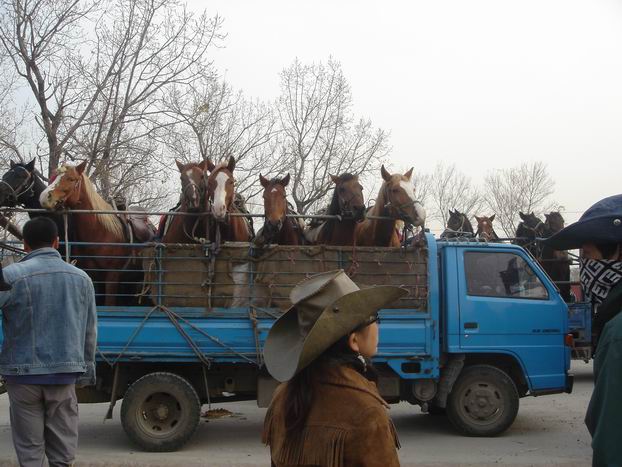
{"x": 600, "y": 224}
{"x": 325, "y": 307}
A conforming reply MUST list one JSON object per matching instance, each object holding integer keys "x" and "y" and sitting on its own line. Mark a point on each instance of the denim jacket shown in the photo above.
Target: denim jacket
{"x": 49, "y": 320}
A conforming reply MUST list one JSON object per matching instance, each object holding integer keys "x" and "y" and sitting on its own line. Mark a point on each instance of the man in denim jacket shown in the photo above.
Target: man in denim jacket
{"x": 49, "y": 326}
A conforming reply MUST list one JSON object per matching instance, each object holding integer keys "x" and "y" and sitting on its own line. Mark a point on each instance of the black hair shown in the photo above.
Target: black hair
{"x": 40, "y": 232}
{"x": 300, "y": 389}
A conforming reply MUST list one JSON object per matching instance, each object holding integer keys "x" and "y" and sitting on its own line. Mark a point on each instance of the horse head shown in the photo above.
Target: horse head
{"x": 192, "y": 177}
{"x": 399, "y": 198}
{"x": 221, "y": 188}
{"x": 347, "y": 201}
{"x": 65, "y": 187}
{"x": 531, "y": 226}
{"x": 485, "y": 230}
{"x": 554, "y": 222}
{"x": 17, "y": 184}
{"x": 459, "y": 222}
{"x": 275, "y": 204}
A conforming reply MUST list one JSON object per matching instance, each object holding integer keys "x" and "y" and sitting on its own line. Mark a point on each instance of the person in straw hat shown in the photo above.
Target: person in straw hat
{"x": 329, "y": 412}
{"x": 598, "y": 233}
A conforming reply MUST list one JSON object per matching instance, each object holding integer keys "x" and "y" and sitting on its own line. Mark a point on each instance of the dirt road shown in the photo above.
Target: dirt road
{"x": 549, "y": 430}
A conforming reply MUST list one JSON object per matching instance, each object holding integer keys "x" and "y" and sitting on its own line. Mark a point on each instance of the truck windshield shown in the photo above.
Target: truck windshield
{"x": 497, "y": 274}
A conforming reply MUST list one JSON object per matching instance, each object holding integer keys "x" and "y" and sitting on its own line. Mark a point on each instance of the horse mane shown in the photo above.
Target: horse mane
{"x": 110, "y": 222}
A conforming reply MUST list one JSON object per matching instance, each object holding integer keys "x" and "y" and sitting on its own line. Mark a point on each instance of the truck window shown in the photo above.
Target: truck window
{"x": 496, "y": 274}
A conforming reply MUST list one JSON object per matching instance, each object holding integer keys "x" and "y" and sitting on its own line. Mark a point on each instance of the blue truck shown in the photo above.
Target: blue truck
{"x": 482, "y": 327}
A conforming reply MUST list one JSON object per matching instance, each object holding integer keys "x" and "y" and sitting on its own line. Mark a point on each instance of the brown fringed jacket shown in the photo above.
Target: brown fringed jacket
{"x": 348, "y": 425}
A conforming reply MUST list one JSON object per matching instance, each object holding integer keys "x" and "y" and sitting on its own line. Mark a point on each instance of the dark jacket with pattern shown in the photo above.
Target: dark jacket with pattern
{"x": 348, "y": 425}
{"x": 604, "y": 413}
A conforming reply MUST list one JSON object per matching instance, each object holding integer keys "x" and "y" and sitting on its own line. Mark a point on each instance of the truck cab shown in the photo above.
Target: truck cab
{"x": 504, "y": 335}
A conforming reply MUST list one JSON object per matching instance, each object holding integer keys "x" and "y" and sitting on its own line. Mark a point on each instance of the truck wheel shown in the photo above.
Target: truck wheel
{"x": 160, "y": 412}
{"x": 483, "y": 402}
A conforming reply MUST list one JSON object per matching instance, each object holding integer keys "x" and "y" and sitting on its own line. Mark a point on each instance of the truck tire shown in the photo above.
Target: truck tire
{"x": 160, "y": 412}
{"x": 483, "y": 401}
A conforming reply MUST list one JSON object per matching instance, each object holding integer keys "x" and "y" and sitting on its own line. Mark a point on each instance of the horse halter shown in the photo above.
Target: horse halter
{"x": 76, "y": 188}
{"x": 24, "y": 187}
{"x": 192, "y": 184}
{"x": 399, "y": 209}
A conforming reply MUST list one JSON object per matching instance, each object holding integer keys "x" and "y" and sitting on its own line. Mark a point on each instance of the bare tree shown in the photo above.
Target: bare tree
{"x": 451, "y": 189}
{"x": 98, "y": 71}
{"x": 525, "y": 188}
{"x": 42, "y": 39}
{"x": 154, "y": 45}
{"x": 319, "y": 133}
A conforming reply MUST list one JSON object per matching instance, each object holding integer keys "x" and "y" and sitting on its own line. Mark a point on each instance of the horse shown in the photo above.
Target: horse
{"x": 348, "y": 203}
{"x": 556, "y": 263}
{"x": 395, "y": 200}
{"x": 529, "y": 230}
{"x": 21, "y": 186}
{"x": 220, "y": 195}
{"x": 485, "y": 230}
{"x": 278, "y": 228}
{"x": 458, "y": 225}
{"x": 102, "y": 259}
{"x": 187, "y": 229}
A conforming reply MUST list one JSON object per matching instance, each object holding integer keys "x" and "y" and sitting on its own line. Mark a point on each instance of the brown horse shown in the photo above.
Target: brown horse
{"x": 72, "y": 189}
{"x": 556, "y": 263}
{"x": 184, "y": 229}
{"x": 395, "y": 200}
{"x": 278, "y": 228}
{"x": 485, "y": 230}
{"x": 220, "y": 195}
{"x": 347, "y": 203}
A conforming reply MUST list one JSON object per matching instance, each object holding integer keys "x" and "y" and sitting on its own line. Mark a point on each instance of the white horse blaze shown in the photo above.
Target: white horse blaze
{"x": 220, "y": 195}
{"x": 44, "y": 197}
{"x": 410, "y": 191}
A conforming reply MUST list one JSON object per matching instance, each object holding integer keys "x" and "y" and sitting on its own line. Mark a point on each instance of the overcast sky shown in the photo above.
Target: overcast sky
{"x": 483, "y": 84}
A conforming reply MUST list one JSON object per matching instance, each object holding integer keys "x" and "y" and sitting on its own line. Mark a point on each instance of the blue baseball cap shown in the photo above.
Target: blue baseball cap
{"x": 600, "y": 224}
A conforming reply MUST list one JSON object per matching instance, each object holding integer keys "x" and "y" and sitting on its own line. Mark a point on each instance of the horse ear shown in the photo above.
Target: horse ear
{"x": 546, "y": 216}
{"x": 80, "y": 167}
{"x": 409, "y": 174}
{"x": 334, "y": 178}
{"x": 210, "y": 165}
{"x": 385, "y": 175}
{"x": 285, "y": 180}
{"x": 522, "y": 216}
{"x": 231, "y": 165}
{"x": 492, "y": 218}
{"x": 478, "y": 219}
{"x": 31, "y": 165}
{"x": 180, "y": 166}
{"x": 12, "y": 163}
{"x": 264, "y": 181}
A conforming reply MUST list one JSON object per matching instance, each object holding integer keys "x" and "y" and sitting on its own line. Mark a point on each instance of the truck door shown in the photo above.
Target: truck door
{"x": 509, "y": 306}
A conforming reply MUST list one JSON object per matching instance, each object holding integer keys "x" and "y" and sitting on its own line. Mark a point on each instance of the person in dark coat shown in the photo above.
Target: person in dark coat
{"x": 598, "y": 234}
{"x": 329, "y": 412}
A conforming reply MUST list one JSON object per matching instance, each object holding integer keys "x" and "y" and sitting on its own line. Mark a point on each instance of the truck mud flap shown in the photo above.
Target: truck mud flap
{"x": 449, "y": 375}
